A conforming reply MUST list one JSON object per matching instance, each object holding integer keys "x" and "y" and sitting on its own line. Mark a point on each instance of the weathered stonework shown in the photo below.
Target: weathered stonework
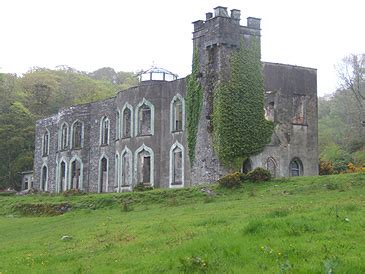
{"x": 291, "y": 102}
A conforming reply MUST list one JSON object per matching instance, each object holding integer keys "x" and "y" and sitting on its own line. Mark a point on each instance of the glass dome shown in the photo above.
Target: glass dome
{"x": 156, "y": 74}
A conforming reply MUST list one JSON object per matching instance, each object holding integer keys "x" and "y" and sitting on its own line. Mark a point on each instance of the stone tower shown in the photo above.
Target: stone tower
{"x": 215, "y": 39}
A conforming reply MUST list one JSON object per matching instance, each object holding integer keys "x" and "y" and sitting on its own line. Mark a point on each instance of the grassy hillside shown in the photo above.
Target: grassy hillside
{"x": 297, "y": 225}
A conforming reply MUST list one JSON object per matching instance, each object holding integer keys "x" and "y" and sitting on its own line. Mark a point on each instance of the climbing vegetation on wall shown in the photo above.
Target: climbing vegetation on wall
{"x": 239, "y": 125}
{"x": 194, "y": 101}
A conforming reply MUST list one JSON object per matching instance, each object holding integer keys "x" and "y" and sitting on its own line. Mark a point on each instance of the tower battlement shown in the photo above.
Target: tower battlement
{"x": 221, "y": 27}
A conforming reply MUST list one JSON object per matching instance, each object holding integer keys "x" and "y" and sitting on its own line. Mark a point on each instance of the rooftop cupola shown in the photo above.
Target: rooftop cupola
{"x": 156, "y": 74}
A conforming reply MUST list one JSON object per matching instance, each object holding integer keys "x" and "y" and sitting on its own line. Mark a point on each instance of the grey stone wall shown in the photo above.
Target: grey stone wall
{"x": 292, "y": 140}
{"x": 215, "y": 39}
{"x": 158, "y": 93}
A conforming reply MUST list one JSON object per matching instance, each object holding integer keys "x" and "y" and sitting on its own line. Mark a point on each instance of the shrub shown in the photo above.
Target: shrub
{"x": 259, "y": 174}
{"x": 325, "y": 167}
{"x": 73, "y": 192}
{"x": 142, "y": 187}
{"x": 42, "y": 209}
{"x": 232, "y": 180}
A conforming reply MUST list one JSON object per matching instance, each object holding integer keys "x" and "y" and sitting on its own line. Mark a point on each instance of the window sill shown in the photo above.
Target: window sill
{"x": 126, "y": 138}
{"x": 176, "y": 131}
{"x": 104, "y": 145}
{"x": 144, "y": 135}
{"x": 76, "y": 148}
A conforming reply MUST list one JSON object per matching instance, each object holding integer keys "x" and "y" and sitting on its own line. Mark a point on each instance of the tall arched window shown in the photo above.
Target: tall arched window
{"x": 44, "y": 178}
{"x": 62, "y": 176}
{"x": 103, "y": 174}
{"x": 127, "y": 121}
{"x": 177, "y": 113}
{"x": 76, "y": 174}
{"x": 176, "y": 165}
{"x": 45, "y": 144}
{"x": 64, "y": 137}
{"x": 104, "y": 131}
{"x": 145, "y": 114}
{"x": 117, "y": 125}
{"x": 126, "y": 168}
{"x": 296, "y": 167}
{"x": 144, "y": 120}
{"x": 116, "y": 169}
{"x": 144, "y": 166}
{"x": 77, "y": 135}
{"x": 271, "y": 166}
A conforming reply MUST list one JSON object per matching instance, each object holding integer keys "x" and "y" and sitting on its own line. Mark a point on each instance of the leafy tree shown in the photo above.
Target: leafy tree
{"x": 351, "y": 72}
{"x": 38, "y": 93}
{"x": 339, "y": 157}
{"x": 17, "y": 145}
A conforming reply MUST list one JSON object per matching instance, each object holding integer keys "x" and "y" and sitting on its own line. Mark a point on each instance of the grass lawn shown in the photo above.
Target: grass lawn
{"x": 296, "y": 225}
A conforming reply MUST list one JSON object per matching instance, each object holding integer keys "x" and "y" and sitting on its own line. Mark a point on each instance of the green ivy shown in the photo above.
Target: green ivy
{"x": 239, "y": 125}
{"x": 194, "y": 101}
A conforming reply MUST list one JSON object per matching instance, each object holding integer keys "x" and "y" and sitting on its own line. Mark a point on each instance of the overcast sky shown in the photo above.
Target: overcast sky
{"x": 134, "y": 34}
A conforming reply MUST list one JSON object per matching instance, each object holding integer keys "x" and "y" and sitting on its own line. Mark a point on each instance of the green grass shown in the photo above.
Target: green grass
{"x": 297, "y": 225}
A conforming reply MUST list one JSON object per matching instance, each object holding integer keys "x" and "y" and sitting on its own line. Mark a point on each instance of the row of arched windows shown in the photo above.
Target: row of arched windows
{"x": 139, "y": 168}
{"x": 69, "y": 175}
{"x": 144, "y": 125}
{"x": 295, "y": 167}
{"x": 129, "y": 169}
{"x": 64, "y": 141}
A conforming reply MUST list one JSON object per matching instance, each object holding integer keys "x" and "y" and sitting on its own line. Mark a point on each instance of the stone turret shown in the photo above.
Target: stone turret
{"x": 215, "y": 39}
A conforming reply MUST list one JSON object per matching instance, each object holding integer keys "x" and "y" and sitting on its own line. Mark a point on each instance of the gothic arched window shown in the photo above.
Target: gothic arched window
{"x": 45, "y": 144}
{"x": 103, "y": 175}
{"x": 104, "y": 130}
{"x": 64, "y": 137}
{"x": 177, "y": 110}
{"x": 145, "y": 114}
{"x": 127, "y": 123}
{"x": 296, "y": 167}
{"x": 77, "y": 134}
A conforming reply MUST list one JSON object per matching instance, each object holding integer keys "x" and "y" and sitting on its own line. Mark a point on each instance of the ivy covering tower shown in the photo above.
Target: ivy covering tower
{"x": 240, "y": 127}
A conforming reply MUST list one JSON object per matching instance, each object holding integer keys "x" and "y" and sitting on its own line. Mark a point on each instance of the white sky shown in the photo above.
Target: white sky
{"x": 132, "y": 35}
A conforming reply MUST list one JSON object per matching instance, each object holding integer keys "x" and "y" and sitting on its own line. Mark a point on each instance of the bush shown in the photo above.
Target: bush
{"x": 325, "y": 167}
{"x": 142, "y": 187}
{"x": 259, "y": 174}
{"x": 232, "y": 180}
{"x": 73, "y": 192}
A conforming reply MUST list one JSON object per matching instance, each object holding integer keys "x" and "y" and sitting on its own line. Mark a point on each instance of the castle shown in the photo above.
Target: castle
{"x": 139, "y": 136}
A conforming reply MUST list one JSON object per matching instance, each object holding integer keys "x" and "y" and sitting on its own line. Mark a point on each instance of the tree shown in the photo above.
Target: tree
{"x": 351, "y": 72}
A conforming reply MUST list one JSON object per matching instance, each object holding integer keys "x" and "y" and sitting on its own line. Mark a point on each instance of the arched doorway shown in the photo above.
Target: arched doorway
{"x": 246, "y": 166}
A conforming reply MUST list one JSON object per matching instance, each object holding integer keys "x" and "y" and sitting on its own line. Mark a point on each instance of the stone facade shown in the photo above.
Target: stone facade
{"x": 139, "y": 135}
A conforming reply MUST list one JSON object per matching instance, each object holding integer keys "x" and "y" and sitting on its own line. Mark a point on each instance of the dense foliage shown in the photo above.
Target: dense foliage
{"x": 240, "y": 127}
{"x": 39, "y": 93}
{"x": 194, "y": 101}
{"x": 341, "y": 135}
{"x": 259, "y": 174}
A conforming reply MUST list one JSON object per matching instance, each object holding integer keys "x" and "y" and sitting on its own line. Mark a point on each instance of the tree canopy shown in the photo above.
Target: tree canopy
{"x": 39, "y": 93}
